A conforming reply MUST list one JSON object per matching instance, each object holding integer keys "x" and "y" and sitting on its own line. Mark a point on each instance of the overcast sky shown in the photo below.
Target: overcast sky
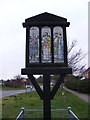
{"x": 12, "y": 34}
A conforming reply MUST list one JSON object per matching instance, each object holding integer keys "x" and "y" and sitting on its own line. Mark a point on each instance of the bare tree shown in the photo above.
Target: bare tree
{"x": 75, "y": 58}
{"x": 17, "y": 77}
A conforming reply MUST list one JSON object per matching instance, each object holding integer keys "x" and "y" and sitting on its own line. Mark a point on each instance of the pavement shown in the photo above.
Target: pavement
{"x": 84, "y": 97}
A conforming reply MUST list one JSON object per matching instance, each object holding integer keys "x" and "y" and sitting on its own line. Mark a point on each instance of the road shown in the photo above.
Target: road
{"x": 84, "y": 97}
{"x": 5, "y": 93}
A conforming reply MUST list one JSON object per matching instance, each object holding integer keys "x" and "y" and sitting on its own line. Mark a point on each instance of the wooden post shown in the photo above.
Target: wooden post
{"x": 46, "y": 95}
{"x": 47, "y": 98}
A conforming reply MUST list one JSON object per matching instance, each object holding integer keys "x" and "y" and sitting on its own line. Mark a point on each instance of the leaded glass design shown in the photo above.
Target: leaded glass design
{"x": 46, "y": 45}
{"x": 34, "y": 45}
{"x": 58, "y": 45}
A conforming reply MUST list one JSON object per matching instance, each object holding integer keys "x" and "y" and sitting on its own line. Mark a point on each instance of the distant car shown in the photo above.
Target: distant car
{"x": 51, "y": 84}
{"x": 83, "y": 78}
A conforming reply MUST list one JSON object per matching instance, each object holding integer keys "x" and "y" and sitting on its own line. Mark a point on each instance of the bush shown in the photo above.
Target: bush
{"x": 14, "y": 83}
{"x": 74, "y": 83}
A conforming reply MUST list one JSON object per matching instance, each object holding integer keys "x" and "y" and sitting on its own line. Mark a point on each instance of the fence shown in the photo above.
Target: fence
{"x": 21, "y": 115}
{"x": 71, "y": 115}
{"x": 55, "y": 113}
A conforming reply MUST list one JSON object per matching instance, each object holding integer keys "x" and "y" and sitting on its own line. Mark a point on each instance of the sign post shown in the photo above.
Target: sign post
{"x": 46, "y": 54}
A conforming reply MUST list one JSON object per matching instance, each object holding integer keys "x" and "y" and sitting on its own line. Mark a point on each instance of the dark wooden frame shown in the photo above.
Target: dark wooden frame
{"x": 40, "y": 24}
{"x": 46, "y": 69}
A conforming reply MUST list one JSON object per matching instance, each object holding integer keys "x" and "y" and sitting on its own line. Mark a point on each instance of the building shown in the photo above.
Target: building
{"x": 86, "y": 73}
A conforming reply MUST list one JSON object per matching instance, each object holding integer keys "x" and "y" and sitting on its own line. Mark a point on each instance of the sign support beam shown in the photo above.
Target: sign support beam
{"x": 37, "y": 87}
{"x": 57, "y": 85}
{"x": 47, "y": 98}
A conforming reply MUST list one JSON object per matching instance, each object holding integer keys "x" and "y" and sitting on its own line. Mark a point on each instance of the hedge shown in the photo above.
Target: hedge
{"x": 75, "y": 83}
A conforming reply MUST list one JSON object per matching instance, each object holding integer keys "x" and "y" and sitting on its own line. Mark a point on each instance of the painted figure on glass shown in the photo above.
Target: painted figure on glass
{"x": 34, "y": 46}
{"x": 58, "y": 48}
{"x": 46, "y": 45}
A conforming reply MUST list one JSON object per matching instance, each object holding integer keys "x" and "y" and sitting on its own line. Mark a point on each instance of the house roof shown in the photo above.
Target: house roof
{"x": 46, "y": 19}
{"x": 87, "y": 70}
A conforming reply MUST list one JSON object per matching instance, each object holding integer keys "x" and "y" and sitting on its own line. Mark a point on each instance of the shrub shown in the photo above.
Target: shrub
{"x": 76, "y": 84}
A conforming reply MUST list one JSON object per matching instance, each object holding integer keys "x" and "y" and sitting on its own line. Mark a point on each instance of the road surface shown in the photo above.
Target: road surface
{"x": 5, "y": 93}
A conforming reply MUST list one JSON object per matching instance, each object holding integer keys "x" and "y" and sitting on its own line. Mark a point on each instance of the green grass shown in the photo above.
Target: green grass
{"x": 12, "y": 88}
{"x": 11, "y": 106}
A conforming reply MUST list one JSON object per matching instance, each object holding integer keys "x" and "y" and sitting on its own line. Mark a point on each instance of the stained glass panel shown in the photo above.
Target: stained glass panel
{"x": 34, "y": 45}
{"x": 46, "y": 45}
{"x": 58, "y": 45}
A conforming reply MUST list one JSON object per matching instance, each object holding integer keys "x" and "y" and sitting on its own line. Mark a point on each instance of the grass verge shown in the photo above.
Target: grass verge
{"x": 12, "y": 88}
{"x": 11, "y": 106}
